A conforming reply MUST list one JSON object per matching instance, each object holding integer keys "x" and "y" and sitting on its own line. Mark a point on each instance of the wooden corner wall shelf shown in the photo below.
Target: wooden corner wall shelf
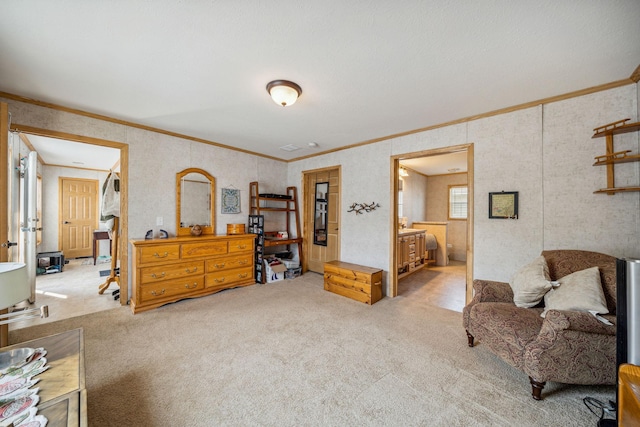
{"x": 611, "y": 157}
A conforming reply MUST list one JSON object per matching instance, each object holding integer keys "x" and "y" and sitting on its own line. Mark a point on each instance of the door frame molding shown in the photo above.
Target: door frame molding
{"x": 393, "y": 226}
{"x": 307, "y": 223}
{"x": 124, "y": 187}
{"x": 4, "y": 172}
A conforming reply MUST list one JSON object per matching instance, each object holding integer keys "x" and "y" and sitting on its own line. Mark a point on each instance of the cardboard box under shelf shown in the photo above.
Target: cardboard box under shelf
{"x": 274, "y": 272}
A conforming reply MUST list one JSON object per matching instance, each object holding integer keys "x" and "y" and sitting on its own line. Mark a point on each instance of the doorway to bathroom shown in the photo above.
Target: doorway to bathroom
{"x": 433, "y": 194}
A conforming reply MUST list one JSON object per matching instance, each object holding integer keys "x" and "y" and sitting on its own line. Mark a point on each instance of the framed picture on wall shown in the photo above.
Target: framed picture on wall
{"x": 503, "y": 205}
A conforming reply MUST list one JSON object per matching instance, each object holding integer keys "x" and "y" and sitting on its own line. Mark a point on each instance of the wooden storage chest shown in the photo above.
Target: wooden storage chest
{"x": 353, "y": 281}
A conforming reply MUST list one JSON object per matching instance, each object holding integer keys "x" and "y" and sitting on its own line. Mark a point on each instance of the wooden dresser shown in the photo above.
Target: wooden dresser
{"x": 354, "y": 281}
{"x": 168, "y": 270}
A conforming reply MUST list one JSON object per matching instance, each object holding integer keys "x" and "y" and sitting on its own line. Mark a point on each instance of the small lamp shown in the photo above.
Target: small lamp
{"x": 14, "y": 288}
{"x": 284, "y": 92}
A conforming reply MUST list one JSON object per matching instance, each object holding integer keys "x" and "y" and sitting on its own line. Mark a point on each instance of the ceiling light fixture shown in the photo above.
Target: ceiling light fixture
{"x": 284, "y": 92}
{"x": 403, "y": 172}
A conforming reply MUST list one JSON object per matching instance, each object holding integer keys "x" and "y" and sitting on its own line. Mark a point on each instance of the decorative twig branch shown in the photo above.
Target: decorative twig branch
{"x": 359, "y": 208}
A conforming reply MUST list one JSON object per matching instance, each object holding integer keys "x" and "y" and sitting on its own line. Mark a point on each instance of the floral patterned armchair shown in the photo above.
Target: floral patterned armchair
{"x": 566, "y": 346}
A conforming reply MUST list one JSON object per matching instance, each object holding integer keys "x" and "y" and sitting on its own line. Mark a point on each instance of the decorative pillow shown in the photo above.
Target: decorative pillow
{"x": 579, "y": 291}
{"x": 531, "y": 283}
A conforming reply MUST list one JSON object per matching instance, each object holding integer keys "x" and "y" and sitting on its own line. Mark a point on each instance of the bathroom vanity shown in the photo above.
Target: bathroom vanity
{"x": 410, "y": 250}
{"x": 439, "y": 230}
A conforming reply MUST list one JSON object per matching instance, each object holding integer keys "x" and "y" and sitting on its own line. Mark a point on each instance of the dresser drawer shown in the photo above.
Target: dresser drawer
{"x": 194, "y": 250}
{"x": 169, "y": 289}
{"x": 155, "y": 274}
{"x": 159, "y": 253}
{"x": 229, "y": 262}
{"x": 224, "y": 278}
{"x": 242, "y": 245}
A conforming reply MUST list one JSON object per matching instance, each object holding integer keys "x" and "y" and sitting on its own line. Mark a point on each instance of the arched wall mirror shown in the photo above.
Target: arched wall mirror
{"x": 195, "y": 201}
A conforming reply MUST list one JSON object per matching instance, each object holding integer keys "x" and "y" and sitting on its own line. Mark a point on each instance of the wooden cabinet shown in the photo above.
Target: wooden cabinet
{"x": 353, "y": 281}
{"x": 168, "y": 270}
{"x": 611, "y": 157}
{"x": 440, "y": 232}
{"x": 628, "y": 394}
{"x": 411, "y": 251}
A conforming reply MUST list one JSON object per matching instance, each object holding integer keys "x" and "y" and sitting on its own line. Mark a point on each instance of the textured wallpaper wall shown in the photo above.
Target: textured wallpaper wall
{"x": 154, "y": 160}
{"x": 545, "y": 152}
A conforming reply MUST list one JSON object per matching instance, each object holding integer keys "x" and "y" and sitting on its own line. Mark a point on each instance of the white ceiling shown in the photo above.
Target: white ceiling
{"x": 58, "y": 152}
{"x": 368, "y": 69}
{"x": 438, "y": 165}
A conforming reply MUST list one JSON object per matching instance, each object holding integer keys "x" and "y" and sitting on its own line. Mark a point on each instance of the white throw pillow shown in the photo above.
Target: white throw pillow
{"x": 579, "y": 291}
{"x": 531, "y": 283}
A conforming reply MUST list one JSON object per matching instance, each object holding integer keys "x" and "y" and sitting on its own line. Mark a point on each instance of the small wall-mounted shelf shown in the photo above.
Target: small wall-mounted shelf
{"x": 610, "y": 158}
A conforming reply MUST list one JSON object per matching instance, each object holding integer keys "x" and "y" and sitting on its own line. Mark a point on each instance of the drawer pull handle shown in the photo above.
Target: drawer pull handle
{"x": 219, "y": 280}
{"x": 220, "y": 265}
{"x": 155, "y": 276}
{"x": 195, "y": 285}
{"x": 243, "y": 262}
{"x": 242, "y": 276}
{"x": 156, "y": 294}
{"x": 192, "y": 271}
{"x": 166, "y": 254}
{"x": 241, "y": 246}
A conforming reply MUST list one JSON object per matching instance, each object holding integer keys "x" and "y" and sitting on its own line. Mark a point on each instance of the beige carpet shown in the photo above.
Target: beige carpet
{"x": 292, "y": 354}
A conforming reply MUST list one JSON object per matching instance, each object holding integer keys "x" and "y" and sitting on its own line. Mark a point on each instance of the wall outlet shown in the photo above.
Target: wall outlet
{"x": 159, "y": 220}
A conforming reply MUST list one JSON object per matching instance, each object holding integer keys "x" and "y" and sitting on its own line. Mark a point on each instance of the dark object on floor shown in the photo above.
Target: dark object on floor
{"x": 105, "y": 273}
{"x": 50, "y": 262}
{"x": 116, "y": 294}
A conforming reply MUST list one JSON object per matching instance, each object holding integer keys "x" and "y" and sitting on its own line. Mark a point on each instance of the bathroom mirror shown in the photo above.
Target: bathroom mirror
{"x": 195, "y": 201}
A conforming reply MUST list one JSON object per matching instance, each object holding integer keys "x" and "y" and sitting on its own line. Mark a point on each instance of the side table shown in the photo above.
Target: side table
{"x": 100, "y": 235}
{"x": 63, "y": 397}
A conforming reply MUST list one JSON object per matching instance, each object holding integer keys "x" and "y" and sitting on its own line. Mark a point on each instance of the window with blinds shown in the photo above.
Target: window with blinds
{"x": 458, "y": 202}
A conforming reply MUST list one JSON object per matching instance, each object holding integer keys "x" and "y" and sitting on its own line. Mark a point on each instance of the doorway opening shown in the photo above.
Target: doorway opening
{"x": 73, "y": 290}
{"x": 422, "y": 186}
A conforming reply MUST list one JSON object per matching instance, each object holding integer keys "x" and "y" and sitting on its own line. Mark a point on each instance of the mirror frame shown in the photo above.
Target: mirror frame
{"x": 321, "y": 204}
{"x": 186, "y": 231}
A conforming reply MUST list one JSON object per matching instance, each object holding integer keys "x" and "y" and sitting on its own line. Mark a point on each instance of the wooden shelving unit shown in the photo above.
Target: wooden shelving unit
{"x": 286, "y": 204}
{"x": 611, "y": 157}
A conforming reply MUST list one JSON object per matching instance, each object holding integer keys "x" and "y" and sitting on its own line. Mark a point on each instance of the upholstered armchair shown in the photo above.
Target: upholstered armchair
{"x": 567, "y": 345}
